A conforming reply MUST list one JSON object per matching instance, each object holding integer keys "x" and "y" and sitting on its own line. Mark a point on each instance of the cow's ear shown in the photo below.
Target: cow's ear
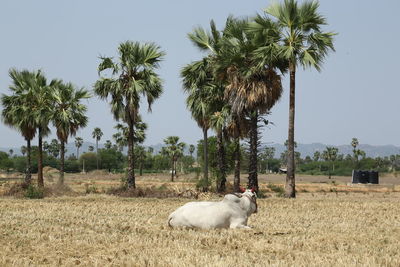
{"x": 253, "y": 189}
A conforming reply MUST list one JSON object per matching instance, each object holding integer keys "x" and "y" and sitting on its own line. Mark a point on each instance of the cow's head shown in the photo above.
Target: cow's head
{"x": 252, "y": 196}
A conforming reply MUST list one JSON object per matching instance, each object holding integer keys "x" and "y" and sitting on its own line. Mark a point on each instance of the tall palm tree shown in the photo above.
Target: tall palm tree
{"x": 43, "y": 112}
{"x": 219, "y": 122}
{"x": 301, "y": 42}
{"x": 97, "y": 134}
{"x": 133, "y": 76}
{"x": 78, "y": 144}
{"x": 205, "y": 92}
{"x": 196, "y": 83}
{"x": 18, "y": 110}
{"x": 174, "y": 150}
{"x": 68, "y": 117}
{"x": 252, "y": 88}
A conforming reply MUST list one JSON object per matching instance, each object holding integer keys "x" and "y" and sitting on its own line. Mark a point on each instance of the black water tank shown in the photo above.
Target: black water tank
{"x": 373, "y": 177}
{"x": 364, "y": 177}
{"x": 356, "y": 177}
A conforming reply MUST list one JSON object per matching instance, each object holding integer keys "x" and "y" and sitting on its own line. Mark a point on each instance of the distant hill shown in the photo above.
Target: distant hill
{"x": 370, "y": 150}
{"x": 304, "y": 149}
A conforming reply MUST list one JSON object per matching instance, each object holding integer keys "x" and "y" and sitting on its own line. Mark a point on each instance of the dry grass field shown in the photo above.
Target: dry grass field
{"x": 339, "y": 228}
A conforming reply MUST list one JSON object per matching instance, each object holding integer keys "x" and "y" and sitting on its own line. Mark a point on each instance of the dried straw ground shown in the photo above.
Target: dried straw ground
{"x": 317, "y": 229}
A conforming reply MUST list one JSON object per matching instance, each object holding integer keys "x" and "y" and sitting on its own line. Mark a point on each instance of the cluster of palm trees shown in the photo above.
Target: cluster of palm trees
{"x": 238, "y": 80}
{"x": 229, "y": 90}
{"x": 36, "y": 103}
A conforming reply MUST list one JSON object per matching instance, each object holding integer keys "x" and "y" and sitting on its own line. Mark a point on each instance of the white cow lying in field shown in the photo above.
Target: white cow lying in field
{"x": 232, "y": 212}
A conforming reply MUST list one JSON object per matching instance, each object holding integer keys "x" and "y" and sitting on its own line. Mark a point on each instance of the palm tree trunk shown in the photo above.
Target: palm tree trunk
{"x": 253, "y": 164}
{"x": 131, "y": 156}
{"x": 221, "y": 179}
{"x": 290, "y": 190}
{"x": 40, "y": 160}
{"x": 62, "y": 154}
{"x": 141, "y": 166}
{"x": 172, "y": 168}
{"x": 28, "y": 175}
{"x": 236, "y": 179}
{"x": 97, "y": 154}
{"x": 205, "y": 156}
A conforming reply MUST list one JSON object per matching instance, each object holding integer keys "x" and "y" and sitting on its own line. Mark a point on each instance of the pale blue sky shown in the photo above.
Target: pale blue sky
{"x": 355, "y": 95}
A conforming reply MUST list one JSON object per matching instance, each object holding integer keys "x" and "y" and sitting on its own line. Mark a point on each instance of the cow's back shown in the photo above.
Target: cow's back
{"x": 203, "y": 215}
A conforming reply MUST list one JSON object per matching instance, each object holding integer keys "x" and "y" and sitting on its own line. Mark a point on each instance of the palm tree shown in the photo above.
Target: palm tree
{"x": 33, "y": 94}
{"x": 69, "y": 116}
{"x": 141, "y": 154}
{"x": 219, "y": 122}
{"x": 18, "y": 109}
{"x": 43, "y": 112}
{"x": 54, "y": 148}
{"x": 91, "y": 148}
{"x": 23, "y": 150}
{"x": 269, "y": 153}
{"x": 252, "y": 88}
{"x": 301, "y": 42}
{"x": 192, "y": 148}
{"x": 133, "y": 76}
{"x": 174, "y": 150}
{"x": 354, "y": 144}
{"x": 121, "y": 137}
{"x": 78, "y": 144}
{"x": 330, "y": 154}
{"x": 108, "y": 144}
{"x": 196, "y": 83}
{"x": 97, "y": 134}
{"x": 237, "y": 129}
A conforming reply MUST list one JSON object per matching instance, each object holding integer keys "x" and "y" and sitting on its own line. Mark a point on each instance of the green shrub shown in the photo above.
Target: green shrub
{"x": 277, "y": 189}
{"x": 203, "y": 183}
{"x": 33, "y": 192}
{"x": 91, "y": 189}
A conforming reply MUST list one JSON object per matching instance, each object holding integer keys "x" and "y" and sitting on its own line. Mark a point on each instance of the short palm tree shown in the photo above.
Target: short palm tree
{"x": 23, "y": 150}
{"x": 17, "y": 111}
{"x": 121, "y": 137}
{"x": 141, "y": 155}
{"x": 301, "y": 42}
{"x": 174, "y": 150}
{"x": 97, "y": 134}
{"x": 78, "y": 144}
{"x": 133, "y": 76}
{"x": 330, "y": 154}
{"x": 192, "y": 148}
{"x": 108, "y": 144}
{"x": 68, "y": 117}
